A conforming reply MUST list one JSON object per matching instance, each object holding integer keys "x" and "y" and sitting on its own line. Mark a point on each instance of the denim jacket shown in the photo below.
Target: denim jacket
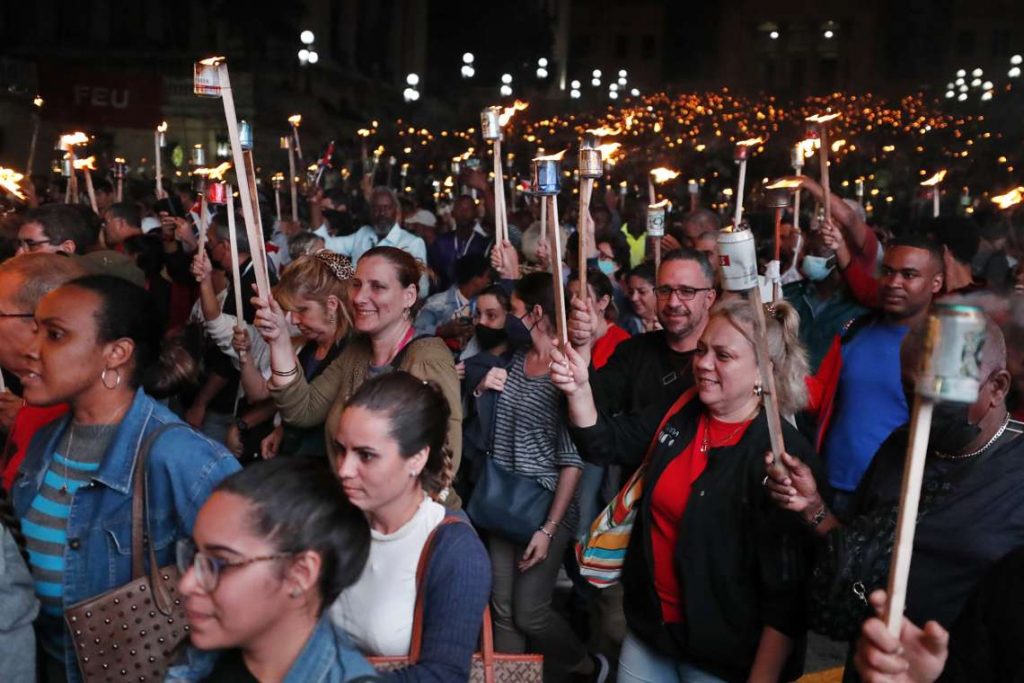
{"x": 328, "y": 657}
{"x": 183, "y": 469}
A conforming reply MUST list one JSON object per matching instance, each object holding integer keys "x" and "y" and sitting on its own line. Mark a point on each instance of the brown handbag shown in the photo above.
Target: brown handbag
{"x": 488, "y": 666}
{"x": 130, "y": 633}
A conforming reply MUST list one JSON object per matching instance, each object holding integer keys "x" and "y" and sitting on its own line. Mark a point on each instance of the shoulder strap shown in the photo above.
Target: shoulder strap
{"x": 140, "y": 514}
{"x": 396, "y": 362}
{"x": 421, "y": 574}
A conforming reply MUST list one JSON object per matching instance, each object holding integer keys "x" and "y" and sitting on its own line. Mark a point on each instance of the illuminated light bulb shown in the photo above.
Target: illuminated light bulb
{"x": 506, "y": 90}
{"x": 313, "y": 57}
{"x": 574, "y": 93}
{"x": 467, "y": 57}
{"x": 307, "y": 37}
{"x": 960, "y": 73}
{"x": 774, "y": 35}
{"x": 506, "y": 78}
{"x": 1016, "y": 59}
{"x": 977, "y": 72}
{"x": 575, "y": 85}
{"x": 829, "y": 34}
{"x": 1014, "y": 72}
{"x": 412, "y": 79}
{"x": 303, "y": 55}
{"x": 950, "y": 94}
{"x": 962, "y": 97}
{"x": 542, "y": 62}
{"x": 596, "y": 82}
{"x": 596, "y": 73}
{"x": 635, "y": 92}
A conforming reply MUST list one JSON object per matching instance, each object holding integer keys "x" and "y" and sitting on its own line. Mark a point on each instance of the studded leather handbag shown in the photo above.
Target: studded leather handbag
{"x": 130, "y": 633}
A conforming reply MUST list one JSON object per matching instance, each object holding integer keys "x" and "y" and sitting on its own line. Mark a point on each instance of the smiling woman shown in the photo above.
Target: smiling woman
{"x": 97, "y": 348}
{"x": 384, "y": 294}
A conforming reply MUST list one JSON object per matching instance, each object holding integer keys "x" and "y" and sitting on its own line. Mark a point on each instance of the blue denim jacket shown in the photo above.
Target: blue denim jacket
{"x": 328, "y": 657}
{"x": 183, "y": 469}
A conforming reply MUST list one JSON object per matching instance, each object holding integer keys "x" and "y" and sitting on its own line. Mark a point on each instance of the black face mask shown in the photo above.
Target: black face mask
{"x": 951, "y": 430}
{"x": 518, "y": 332}
{"x": 488, "y": 337}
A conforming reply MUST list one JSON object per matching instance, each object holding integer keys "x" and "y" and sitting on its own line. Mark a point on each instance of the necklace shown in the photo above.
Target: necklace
{"x": 988, "y": 444}
{"x": 706, "y": 441}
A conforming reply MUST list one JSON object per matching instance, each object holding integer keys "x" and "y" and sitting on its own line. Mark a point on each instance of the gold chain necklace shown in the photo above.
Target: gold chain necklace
{"x": 705, "y": 442}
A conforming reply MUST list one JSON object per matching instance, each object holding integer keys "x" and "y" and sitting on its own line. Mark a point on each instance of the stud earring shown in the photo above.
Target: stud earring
{"x": 758, "y": 390}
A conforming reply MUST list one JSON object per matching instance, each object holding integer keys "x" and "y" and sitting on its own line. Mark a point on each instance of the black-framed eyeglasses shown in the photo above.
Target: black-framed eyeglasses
{"x": 208, "y": 569}
{"x": 684, "y": 293}
{"x": 32, "y": 245}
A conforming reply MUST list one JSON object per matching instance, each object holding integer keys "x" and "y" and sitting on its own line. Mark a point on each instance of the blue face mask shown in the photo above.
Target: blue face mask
{"x": 817, "y": 268}
{"x": 606, "y": 267}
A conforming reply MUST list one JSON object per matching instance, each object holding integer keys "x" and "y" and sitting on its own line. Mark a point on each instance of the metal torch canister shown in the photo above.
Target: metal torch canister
{"x": 206, "y": 79}
{"x": 217, "y": 193}
{"x": 66, "y": 167}
{"x": 656, "y": 220}
{"x": 796, "y": 157}
{"x": 161, "y": 138}
{"x": 245, "y": 134}
{"x": 954, "y": 370}
{"x": 490, "y": 123}
{"x": 737, "y": 255}
{"x": 198, "y": 155}
{"x": 741, "y": 153}
{"x": 284, "y": 141}
{"x": 693, "y": 187}
{"x": 547, "y": 177}
{"x": 119, "y": 169}
{"x": 858, "y": 188}
{"x": 590, "y": 163}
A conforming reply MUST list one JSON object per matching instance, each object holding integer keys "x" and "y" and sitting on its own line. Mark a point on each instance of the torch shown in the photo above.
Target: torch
{"x": 659, "y": 176}
{"x": 778, "y": 198}
{"x": 738, "y": 259}
{"x": 10, "y": 182}
{"x": 37, "y": 102}
{"x": 88, "y": 165}
{"x": 591, "y": 167}
{"x": 822, "y": 121}
{"x": 159, "y": 142}
{"x": 796, "y": 159}
{"x": 295, "y": 120}
{"x": 211, "y": 79}
{"x": 120, "y": 171}
{"x": 547, "y": 178}
{"x": 656, "y": 228}
{"x": 934, "y": 182}
{"x": 1010, "y": 199}
{"x": 277, "y": 181}
{"x": 211, "y": 191}
{"x": 67, "y": 144}
{"x": 741, "y": 155}
{"x": 693, "y": 188}
{"x": 492, "y": 123}
{"x": 950, "y": 371}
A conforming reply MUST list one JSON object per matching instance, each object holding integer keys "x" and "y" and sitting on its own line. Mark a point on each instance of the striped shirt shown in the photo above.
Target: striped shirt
{"x": 530, "y": 433}
{"x": 77, "y": 459}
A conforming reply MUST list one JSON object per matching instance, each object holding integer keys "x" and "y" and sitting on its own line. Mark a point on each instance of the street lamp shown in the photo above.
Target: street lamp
{"x": 308, "y": 54}
{"x": 467, "y": 65}
{"x": 307, "y": 37}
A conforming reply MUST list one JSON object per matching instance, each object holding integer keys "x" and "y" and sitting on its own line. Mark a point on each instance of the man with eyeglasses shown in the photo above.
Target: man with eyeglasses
{"x": 54, "y": 228}
{"x": 24, "y": 280}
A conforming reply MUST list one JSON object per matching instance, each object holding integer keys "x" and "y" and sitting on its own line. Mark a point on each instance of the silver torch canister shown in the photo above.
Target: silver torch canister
{"x": 198, "y": 155}
{"x": 590, "y": 163}
{"x": 490, "y": 123}
{"x": 954, "y": 373}
{"x": 547, "y": 176}
{"x": 245, "y": 134}
{"x": 656, "y": 218}
{"x": 737, "y": 256}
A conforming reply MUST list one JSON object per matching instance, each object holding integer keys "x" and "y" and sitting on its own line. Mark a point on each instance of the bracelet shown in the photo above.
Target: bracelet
{"x": 819, "y": 516}
{"x": 544, "y": 531}
{"x": 289, "y": 373}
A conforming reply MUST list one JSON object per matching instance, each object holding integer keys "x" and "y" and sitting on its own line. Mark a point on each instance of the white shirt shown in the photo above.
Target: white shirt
{"x": 365, "y": 238}
{"x": 377, "y": 610}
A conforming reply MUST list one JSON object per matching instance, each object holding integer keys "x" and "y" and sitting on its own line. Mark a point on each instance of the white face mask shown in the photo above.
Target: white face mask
{"x": 792, "y": 273}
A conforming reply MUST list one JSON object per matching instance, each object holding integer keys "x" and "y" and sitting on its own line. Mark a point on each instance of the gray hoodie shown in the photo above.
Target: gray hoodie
{"x": 18, "y": 609}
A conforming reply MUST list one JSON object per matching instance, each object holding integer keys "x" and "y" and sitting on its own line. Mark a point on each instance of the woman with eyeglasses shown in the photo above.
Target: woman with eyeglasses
{"x": 99, "y": 348}
{"x": 271, "y": 549}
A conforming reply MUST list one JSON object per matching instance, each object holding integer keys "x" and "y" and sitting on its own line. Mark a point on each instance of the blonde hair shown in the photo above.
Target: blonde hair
{"x": 787, "y": 353}
{"x": 310, "y": 278}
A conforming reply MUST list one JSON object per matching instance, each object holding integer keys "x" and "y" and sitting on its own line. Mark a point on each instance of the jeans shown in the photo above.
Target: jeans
{"x": 638, "y": 663}
{"x": 521, "y": 605}
{"x": 588, "y": 492}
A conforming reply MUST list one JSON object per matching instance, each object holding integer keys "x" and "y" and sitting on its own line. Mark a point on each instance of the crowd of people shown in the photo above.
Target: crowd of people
{"x": 358, "y": 471}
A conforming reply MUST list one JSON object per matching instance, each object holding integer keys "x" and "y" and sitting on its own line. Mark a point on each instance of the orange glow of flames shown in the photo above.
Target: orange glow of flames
{"x": 808, "y": 146}
{"x": 663, "y": 204}
{"x": 212, "y": 61}
{"x": 216, "y": 173}
{"x": 604, "y": 132}
{"x": 663, "y": 175}
{"x": 1011, "y": 198}
{"x": 162, "y": 128}
{"x": 9, "y": 181}
{"x": 821, "y": 118}
{"x": 551, "y": 157}
{"x": 784, "y": 184}
{"x": 509, "y": 112}
{"x": 611, "y": 152}
{"x": 935, "y": 179}
{"x": 71, "y": 139}
{"x": 86, "y": 164}
{"x": 295, "y": 120}
{"x": 38, "y": 101}
{"x": 750, "y": 143}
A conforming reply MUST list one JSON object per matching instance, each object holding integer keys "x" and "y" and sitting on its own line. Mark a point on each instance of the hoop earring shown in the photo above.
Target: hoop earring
{"x": 103, "y": 378}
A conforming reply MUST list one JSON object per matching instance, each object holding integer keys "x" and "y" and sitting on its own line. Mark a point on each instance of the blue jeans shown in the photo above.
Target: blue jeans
{"x": 638, "y": 663}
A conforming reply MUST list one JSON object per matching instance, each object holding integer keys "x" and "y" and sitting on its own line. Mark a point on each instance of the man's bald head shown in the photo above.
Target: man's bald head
{"x": 27, "y": 278}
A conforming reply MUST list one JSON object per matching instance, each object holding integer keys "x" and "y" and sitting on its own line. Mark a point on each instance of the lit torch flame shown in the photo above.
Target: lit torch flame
{"x": 808, "y": 146}
{"x": 604, "y": 132}
{"x": 1003, "y": 201}
{"x": 935, "y": 179}
{"x": 610, "y": 152}
{"x": 552, "y": 157}
{"x": 660, "y": 205}
{"x": 750, "y": 143}
{"x": 71, "y": 139}
{"x": 9, "y": 181}
{"x": 295, "y": 120}
{"x": 86, "y": 164}
{"x": 38, "y": 101}
{"x": 663, "y": 175}
{"x": 821, "y": 118}
{"x": 784, "y": 184}
{"x": 509, "y": 112}
{"x": 838, "y": 144}
{"x": 162, "y": 128}
{"x": 216, "y": 173}
{"x": 211, "y": 61}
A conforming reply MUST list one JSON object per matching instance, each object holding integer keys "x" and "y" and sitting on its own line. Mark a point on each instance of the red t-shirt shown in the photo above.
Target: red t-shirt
{"x": 605, "y": 346}
{"x": 27, "y": 422}
{"x": 668, "y": 504}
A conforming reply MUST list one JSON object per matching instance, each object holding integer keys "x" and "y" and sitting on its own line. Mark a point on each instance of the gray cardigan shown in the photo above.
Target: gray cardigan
{"x": 18, "y": 609}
